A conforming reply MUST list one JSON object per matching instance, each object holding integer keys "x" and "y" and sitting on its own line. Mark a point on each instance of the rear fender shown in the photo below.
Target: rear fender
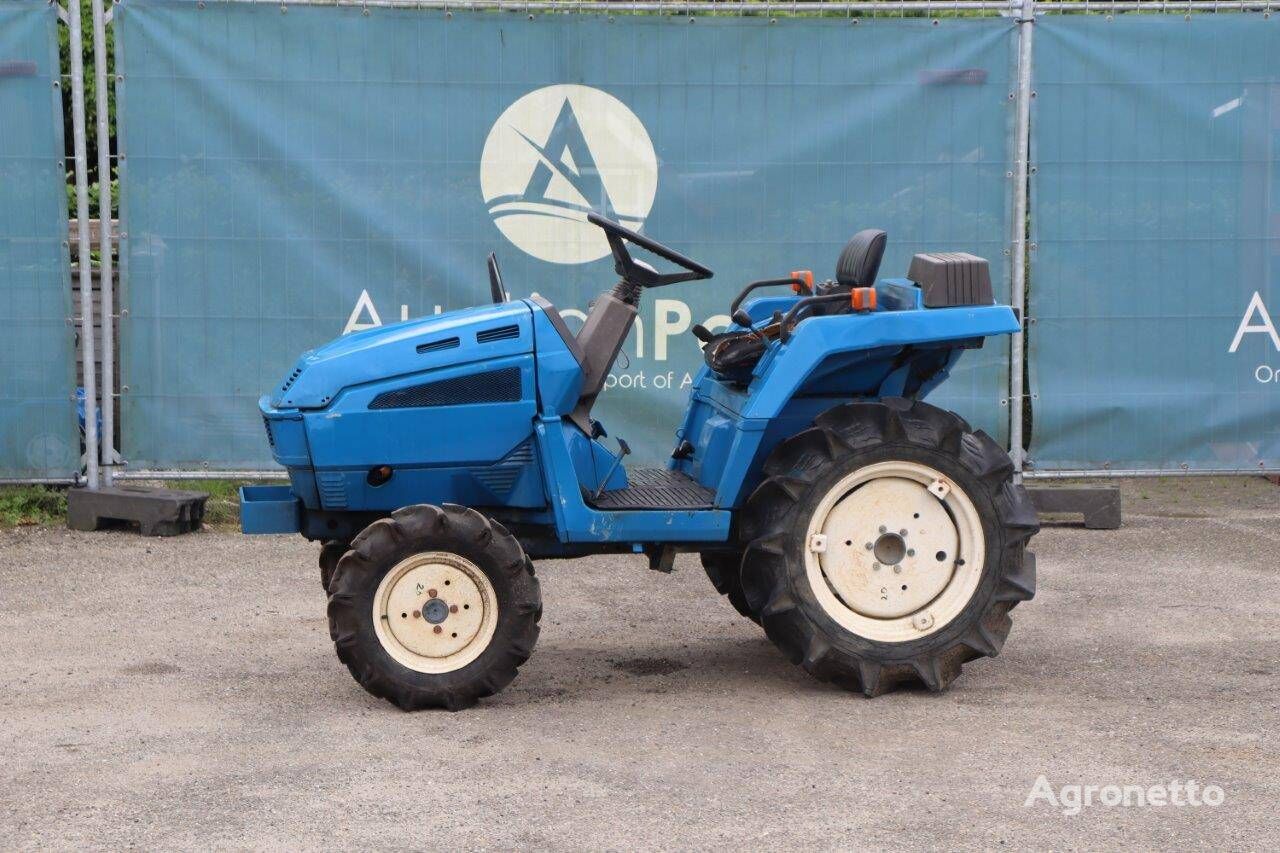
{"x": 837, "y": 345}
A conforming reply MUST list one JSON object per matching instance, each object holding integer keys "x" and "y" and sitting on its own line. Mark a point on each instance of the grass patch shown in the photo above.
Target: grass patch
{"x": 32, "y": 505}
{"x": 223, "y": 507}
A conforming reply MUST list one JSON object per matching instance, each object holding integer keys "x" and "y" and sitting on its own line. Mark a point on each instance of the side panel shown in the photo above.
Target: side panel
{"x": 460, "y": 434}
{"x": 453, "y": 431}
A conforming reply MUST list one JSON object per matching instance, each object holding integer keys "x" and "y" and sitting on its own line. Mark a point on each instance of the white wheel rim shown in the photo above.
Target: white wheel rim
{"x": 894, "y": 551}
{"x": 435, "y": 612}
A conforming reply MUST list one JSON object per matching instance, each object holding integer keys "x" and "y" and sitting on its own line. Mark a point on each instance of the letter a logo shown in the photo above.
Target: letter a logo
{"x": 558, "y": 153}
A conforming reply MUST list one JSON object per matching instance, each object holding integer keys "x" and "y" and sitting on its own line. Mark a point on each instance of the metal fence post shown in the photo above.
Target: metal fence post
{"x": 87, "y": 348}
{"x": 102, "y": 103}
{"x": 1017, "y": 353}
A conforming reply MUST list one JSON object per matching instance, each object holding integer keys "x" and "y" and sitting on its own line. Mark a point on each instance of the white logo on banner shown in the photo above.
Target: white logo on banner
{"x": 1257, "y": 321}
{"x": 557, "y": 153}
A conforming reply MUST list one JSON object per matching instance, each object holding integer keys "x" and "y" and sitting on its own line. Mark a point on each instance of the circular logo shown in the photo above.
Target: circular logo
{"x": 558, "y": 153}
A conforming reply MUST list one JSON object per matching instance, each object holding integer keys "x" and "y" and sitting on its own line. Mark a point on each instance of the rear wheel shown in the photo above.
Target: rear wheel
{"x": 887, "y": 545}
{"x": 434, "y": 607}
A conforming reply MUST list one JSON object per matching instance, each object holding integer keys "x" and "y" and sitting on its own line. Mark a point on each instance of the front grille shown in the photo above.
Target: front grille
{"x": 493, "y": 386}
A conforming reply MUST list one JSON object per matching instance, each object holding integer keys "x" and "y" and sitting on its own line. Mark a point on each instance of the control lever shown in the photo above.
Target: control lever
{"x": 742, "y": 318}
{"x": 623, "y": 452}
{"x": 702, "y": 333}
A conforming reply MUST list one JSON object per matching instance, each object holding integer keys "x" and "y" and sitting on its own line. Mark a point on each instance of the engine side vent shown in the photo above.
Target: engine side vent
{"x": 435, "y": 346}
{"x": 333, "y": 489}
{"x": 500, "y": 477}
{"x": 501, "y": 333}
{"x": 271, "y": 439}
{"x": 492, "y": 386}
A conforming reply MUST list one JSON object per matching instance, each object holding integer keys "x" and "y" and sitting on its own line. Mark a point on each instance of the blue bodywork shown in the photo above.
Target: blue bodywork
{"x": 472, "y": 407}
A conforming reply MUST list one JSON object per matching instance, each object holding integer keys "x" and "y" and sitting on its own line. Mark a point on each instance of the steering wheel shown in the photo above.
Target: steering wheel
{"x": 638, "y": 272}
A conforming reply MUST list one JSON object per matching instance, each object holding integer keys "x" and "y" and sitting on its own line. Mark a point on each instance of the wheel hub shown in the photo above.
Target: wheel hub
{"x": 889, "y": 549}
{"x": 907, "y": 528}
{"x": 895, "y": 551}
{"x": 435, "y": 612}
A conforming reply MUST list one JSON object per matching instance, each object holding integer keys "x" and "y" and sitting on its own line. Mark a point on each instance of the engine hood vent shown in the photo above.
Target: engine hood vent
{"x": 501, "y": 333}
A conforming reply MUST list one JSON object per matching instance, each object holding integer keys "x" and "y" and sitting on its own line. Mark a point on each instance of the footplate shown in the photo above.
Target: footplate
{"x": 656, "y": 488}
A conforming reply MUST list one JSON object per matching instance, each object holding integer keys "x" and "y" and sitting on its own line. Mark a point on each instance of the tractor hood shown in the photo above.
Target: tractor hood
{"x": 415, "y": 346}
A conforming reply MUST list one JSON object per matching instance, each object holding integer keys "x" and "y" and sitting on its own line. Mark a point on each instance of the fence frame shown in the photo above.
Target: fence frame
{"x": 1023, "y": 12}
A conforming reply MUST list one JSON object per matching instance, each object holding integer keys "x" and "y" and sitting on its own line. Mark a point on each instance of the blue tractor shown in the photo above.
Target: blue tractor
{"x": 877, "y": 540}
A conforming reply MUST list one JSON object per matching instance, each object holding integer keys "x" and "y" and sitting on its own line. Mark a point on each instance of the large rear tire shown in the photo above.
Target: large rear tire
{"x": 887, "y": 546}
{"x": 434, "y": 607}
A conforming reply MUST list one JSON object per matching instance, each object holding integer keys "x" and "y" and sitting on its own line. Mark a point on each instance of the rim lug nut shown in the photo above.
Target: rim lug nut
{"x": 875, "y": 567}
{"x": 897, "y": 570}
{"x": 884, "y": 529}
{"x": 911, "y": 552}
{"x": 453, "y": 608}
{"x": 437, "y": 629}
{"x": 431, "y": 593}
{"x": 870, "y": 546}
{"x": 902, "y": 532}
{"x": 417, "y": 615}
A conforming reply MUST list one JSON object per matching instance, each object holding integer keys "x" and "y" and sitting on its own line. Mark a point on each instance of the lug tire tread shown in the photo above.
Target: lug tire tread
{"x": 425, "y": 527}
{"x": 330, "y": 553}
{"x": 770, "y": 566}
{"x": 722, "y": 568}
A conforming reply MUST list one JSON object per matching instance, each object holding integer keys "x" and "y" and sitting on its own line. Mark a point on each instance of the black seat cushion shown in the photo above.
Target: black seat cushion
{"x": 860, "y": 261}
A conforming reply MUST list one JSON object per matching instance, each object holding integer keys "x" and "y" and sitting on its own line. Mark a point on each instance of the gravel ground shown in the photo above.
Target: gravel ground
{"x": 183, "y": 693}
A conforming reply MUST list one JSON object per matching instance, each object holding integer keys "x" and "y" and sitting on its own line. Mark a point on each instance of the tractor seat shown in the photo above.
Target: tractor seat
{"x": 859, "y": 261}
{"x": 732, "y": 356}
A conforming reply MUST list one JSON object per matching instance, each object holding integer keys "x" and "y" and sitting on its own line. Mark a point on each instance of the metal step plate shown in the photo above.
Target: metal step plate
{"x": 657, "y": 488}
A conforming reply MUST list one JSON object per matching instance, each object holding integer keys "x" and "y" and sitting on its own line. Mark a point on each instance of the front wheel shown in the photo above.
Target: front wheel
{"x": 722, "y": 570}
{"x": 434, "y": 607}
{"x": 330, "y": 553}
{"x": 887, "y": 545}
